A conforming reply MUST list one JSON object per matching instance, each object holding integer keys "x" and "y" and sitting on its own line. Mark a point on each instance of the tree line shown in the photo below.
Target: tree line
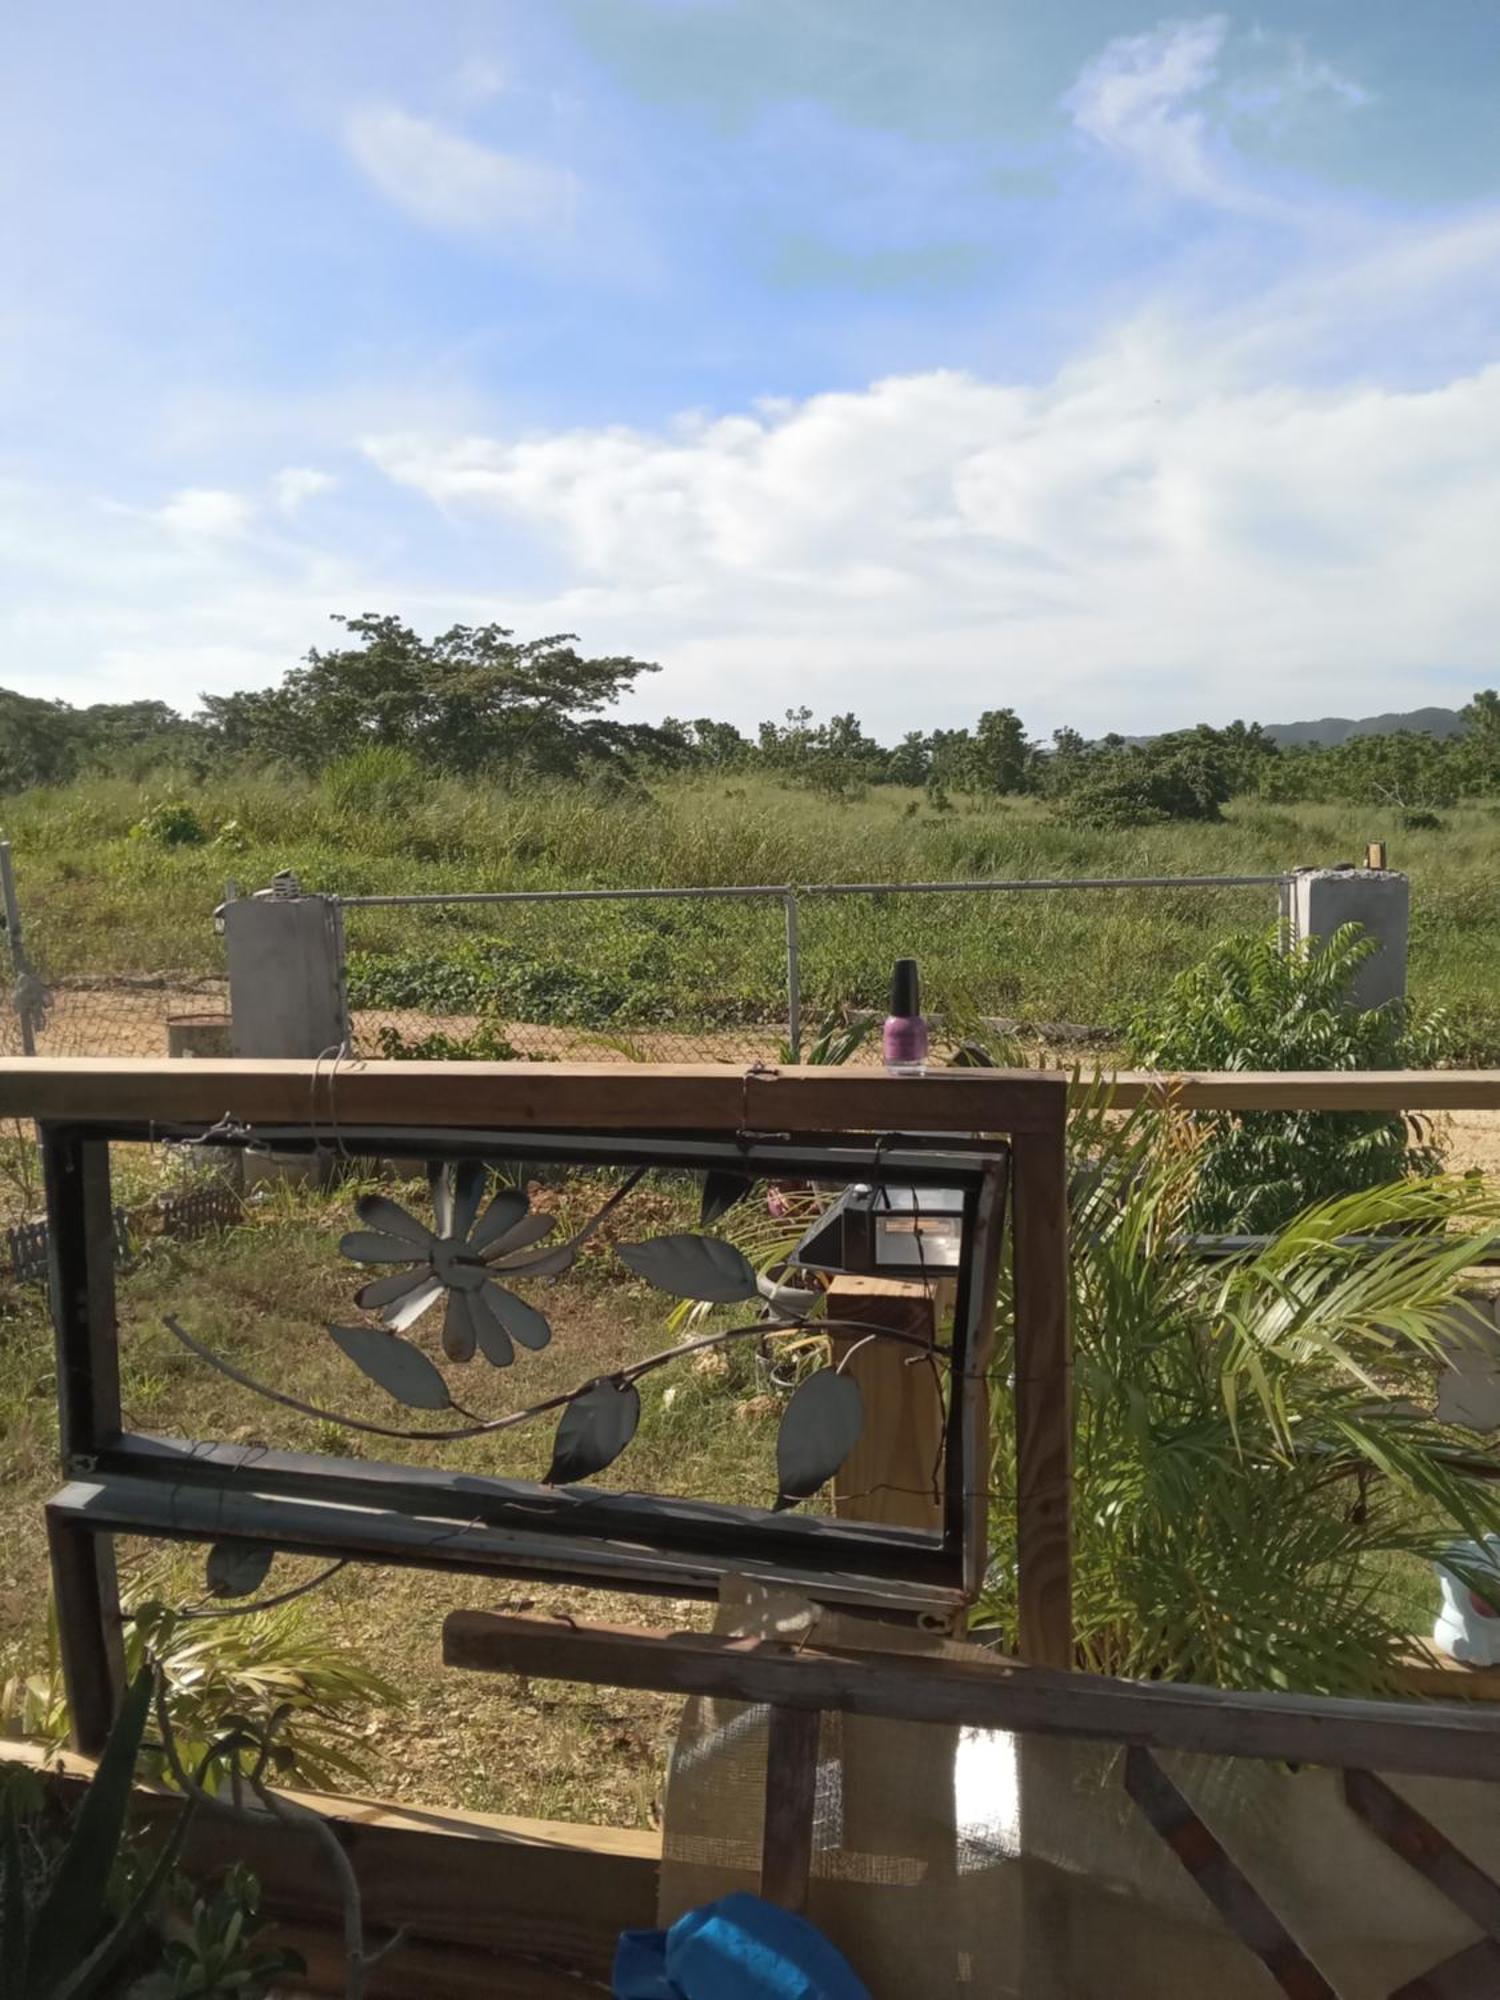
{"x": 476, "y": 700}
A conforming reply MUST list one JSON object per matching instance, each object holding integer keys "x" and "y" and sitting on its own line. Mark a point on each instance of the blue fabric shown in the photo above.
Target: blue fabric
{"x": 739, "y": 1948}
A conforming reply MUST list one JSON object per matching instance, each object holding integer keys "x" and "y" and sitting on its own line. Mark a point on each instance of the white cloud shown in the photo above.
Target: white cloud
{"x": 294, "y": 485}
{"x": 449, "y": 182}
{"x": 1133, "y": 100}
{"x": 1148, "y": 100}
{"x": 207, "y": 511}
{"x": 1152, "y": 535}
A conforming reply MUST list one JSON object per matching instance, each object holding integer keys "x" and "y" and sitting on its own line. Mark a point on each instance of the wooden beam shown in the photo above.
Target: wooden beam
{"x": 1231, "y": 1892}
{"x": 1458, "y": 1740}
{"x": 546, "y": 1889}
{"x": 1304, "y": 1090}
{"x": 791, "y": 1791}
{"x": 600, "y": 1097}
{"x": 893, "y": 1476}
{"x": 1044, "y": 1401}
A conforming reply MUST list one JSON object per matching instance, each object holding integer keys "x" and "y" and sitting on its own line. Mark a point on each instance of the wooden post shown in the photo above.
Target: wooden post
{"x": 791, "y": 1791}
{"x": 892, "y": 1476}
{"x": 1044, "y": 1400}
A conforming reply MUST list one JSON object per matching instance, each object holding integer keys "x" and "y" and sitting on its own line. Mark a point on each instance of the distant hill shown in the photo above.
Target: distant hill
{"x": 1337, "y": 728}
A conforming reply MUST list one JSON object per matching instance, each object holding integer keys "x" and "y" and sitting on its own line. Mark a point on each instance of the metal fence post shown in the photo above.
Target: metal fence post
{"x": 793, "y": 978}
{"x": 20, "y": 970}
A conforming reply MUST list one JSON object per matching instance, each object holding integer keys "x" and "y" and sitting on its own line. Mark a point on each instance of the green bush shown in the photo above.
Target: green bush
{"x": 1145, "y": 788}
{"x": 170, "y": 823}
{"x": 1261, "y": 1002}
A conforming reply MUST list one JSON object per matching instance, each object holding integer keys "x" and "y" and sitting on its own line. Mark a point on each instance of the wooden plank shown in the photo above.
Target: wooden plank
{"x": 1426, "y": 1848}
{"x": 425, "y": 1971}
{"x": 619, "y": 1096}
{"x": 1471, "y": 1974}
{"x": 545, "y": 1889}
{"x": 1305, "y": 1090}
{"x": 791, "y": 1791}
{"x": 1232, "y": 1894}
{"x": 1451, "y": 1740}
{"x": 893, "y": 1476}
{"x": 1044, "y": 1401}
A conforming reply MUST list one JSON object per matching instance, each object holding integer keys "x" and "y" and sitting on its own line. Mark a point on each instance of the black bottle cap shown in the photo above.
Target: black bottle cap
{"x": 906, "y": 990}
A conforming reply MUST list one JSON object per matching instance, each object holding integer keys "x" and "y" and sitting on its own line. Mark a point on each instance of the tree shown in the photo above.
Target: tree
{"x": 474, "y": 698}
{"x": 1000, "y": 754}
{"x": 910, "y": 761}
{"x": 1480, "y": 744}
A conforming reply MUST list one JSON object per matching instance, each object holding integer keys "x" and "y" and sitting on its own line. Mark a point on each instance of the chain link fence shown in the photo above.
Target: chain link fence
{"x": 78, "y": 1015}
{"x": 774, "y": 973}
{"x": 764, "y": 973}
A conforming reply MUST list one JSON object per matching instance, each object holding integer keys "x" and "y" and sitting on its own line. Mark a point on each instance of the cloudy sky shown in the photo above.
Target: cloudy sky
{"x": 913, "y": 359}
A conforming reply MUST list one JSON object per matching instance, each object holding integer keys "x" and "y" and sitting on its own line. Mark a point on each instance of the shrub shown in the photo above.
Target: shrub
{"x": 1144, "y": 788}
{"x": 1265, "y": 1003}
{"x": 170, "y": 823}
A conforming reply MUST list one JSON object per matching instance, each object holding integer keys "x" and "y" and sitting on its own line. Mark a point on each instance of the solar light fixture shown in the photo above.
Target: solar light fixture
{"x": 887, "y": 1231}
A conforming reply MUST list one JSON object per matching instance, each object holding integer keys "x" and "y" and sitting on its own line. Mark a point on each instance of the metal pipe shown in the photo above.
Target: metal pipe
{"x": 784, "y": 890}
{"x": 552, "y": 896}
{"x": 19, "y": 968}
{"x": 1041, "y": 882}
{"x": 793, "y": 980}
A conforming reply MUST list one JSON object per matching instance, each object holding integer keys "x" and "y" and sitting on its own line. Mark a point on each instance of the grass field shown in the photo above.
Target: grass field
{"x": 102, "y": 902}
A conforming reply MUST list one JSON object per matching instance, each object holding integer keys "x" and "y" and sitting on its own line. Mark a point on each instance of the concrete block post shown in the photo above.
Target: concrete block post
{"x": 1322, "y": 900}
{"x": 286, "y": 975}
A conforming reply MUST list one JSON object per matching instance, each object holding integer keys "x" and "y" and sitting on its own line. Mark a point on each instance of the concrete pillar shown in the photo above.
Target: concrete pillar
{"x": 1323, "y": 900}
{"x": 286, "y": 975}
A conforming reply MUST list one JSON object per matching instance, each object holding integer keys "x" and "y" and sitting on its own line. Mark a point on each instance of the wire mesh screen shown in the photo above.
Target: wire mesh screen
{"x": 692, "y": 979}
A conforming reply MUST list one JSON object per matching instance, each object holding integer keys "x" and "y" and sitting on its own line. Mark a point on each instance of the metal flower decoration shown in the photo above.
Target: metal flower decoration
{"x": 463, "y": 1258}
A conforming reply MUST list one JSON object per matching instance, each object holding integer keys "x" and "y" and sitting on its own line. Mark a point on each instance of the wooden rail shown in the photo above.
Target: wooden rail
{"x": 630, "y": 1096}
{"x": 1436, "y": 1739}
{"x": 1306, "y": 1090}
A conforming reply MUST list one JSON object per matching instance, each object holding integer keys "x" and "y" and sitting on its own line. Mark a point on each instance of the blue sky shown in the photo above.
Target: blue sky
{"x": 1126, "y": 369}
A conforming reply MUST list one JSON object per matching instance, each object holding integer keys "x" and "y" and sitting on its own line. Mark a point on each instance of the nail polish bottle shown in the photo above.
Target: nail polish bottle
{"x": 904, "y": 1036}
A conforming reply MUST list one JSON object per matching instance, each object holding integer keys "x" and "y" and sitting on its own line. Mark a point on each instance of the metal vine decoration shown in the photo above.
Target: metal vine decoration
{"x": 466, "y": 1258}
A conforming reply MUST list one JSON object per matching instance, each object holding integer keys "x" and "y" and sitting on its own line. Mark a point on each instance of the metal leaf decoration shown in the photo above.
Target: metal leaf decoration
{"x": 402, "y": 1370}
{"x": 596, "y": 1427}
{"x": 238, "y": 1569}
{"x": 721, "y": 1190}
{"x": 819, "y": 1430}
{"x": 693, "y": 1267}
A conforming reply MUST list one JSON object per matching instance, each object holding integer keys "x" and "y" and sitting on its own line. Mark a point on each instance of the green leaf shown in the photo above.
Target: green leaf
{"x": 70, "y": 1914}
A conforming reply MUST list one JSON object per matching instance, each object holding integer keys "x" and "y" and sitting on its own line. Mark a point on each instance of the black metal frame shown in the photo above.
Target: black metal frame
{"x": 174, "y": 1488}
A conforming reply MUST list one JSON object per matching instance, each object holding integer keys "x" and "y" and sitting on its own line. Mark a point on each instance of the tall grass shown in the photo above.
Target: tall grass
{"x": 102, "y": 902}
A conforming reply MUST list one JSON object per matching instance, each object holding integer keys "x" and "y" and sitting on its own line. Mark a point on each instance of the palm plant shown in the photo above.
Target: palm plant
{"x": 1259, "y": 1475}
